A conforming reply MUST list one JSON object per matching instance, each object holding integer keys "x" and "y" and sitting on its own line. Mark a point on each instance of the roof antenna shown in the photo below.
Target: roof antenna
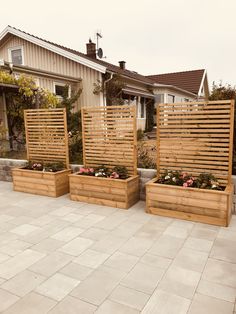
{"x": 99, "y": 50}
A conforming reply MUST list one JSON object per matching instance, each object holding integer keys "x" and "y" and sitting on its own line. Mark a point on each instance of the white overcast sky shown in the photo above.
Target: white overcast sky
{"x": 152, "y": 36}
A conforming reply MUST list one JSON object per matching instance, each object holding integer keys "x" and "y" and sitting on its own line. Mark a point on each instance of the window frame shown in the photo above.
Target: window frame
{"x": 61, "y": 84}
{"x": 10, "y": 54}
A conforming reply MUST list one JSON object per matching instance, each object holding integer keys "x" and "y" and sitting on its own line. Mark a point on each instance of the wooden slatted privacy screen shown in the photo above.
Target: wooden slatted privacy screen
{"x": 196, "y": 137}
{"x": 109, "y": 137}
{"x": 46, "y": 135}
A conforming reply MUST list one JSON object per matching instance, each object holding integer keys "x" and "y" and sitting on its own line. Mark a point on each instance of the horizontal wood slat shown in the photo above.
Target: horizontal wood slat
{"x": 196, "y": 137}
{"x": 46, "y": 135}
{"x": 109, "y": 137}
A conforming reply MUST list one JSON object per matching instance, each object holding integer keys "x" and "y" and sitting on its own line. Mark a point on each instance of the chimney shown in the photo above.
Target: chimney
{"x": 122, "y": 64}
{"x": 91, "y": 49}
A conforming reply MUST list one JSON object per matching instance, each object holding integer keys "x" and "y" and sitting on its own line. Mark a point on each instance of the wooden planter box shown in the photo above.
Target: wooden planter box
{"x": 206, "y": 206}
{"x": 104, "y": 191}
{"x": 52, "y": 184}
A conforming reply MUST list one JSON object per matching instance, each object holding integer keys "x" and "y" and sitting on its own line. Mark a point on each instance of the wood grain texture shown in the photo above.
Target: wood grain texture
{"x": 194, "y": 137}
{"x": 110, "y": 137}
{"x": 104, "y": 191}
{"x": 46, "y": 135}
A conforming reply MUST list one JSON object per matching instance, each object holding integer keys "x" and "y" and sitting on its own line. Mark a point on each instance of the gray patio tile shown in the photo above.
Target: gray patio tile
{"x": 198, "y": 244}
{"x": 62, "y": 211}
{"x": 227, "y": 233}
{"x": 136, "y": 246}
{"x": 24, "y": 229}
{"x": 48, "y": 245}
{"x": 6, "y": 299}
{"x": 143, "y": 278}
{"x": 204, "y": 233}
{"x": 14, "y": 247}
{"x": 18, "y": 263}
{"x": 5, "y": 218}
{"x": 89, "y": 221}
{"x": 21, "y": 220}
{"x": 112, "y": 222}
{"x": 23, "y": 283}
{"x": 167, "y": 246}
{"x": 177, "y": 232}
{"x": 57, "y": 287}
{"x": 43, "y": 220}
{"x": 109, "y": 307}
{"x": 129, "y": 297}
{"x": 204, "y": 305}
{"x": 224, "y": 249}
{"x": 51, "y": 263}
{"x": 91, "y": 258}
{"x": 216, "y": 290}
{"x": 127, "y": 229}
{"x": 191, "y": 259}
{"x": 94, "y": 234}
{"x": 76, "y": 271}
{"x": 3, "y": 257}
{"x": 67, "y": 234}
{"x": 156, "y": 261}
{"x": 32, "y": 303}
{"x": 98, "y": 285}
{"x": 109, "y": 244}
{"x": 150, "y": 230}
{"x": 76, "y": 246}
{"x": 72, "y": 217}
{"x": 166, "y": 303}
{"x": 71, "y": 305}
{"x": 180, "y": 281}
{"x": 121, "y": 261}
{"x": 220, "y": 272}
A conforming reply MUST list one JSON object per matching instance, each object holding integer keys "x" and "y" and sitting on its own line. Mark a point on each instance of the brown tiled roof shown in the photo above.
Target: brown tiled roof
{"x": 110, "y": 67}
{"x": 188, "y": 80}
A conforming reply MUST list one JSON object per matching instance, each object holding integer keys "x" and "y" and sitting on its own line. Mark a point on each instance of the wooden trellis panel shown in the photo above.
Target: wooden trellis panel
{"x": 46, "y": 135}
{"x": 196, "y": 137}
{"x": 109, "y": 137}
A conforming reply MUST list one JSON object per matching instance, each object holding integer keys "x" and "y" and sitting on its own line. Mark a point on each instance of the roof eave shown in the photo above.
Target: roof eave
{"x": 57, "y": 50}
{"x": 176, "y": 88}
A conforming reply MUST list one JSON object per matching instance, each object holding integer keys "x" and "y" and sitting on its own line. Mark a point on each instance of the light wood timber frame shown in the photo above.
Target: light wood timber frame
{"x": 46, "y": 141}
{"x": 194, "y": 137}
{"x": 109, "y": 139}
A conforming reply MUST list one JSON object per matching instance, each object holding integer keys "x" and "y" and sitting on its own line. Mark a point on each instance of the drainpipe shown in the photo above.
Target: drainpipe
{"x": 104, "y": 89}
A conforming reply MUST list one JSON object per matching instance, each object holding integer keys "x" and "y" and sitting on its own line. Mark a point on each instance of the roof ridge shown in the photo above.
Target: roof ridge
{"x": 187, "y": 71}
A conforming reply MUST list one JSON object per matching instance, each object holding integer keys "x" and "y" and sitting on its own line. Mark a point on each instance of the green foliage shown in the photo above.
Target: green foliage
{"x": 122, "y": 172}
{"x": 140, "y": 134}
{"x": 74, "y": 124}
{"x": 150, "y": 117}
{"x": 178, "y": 178}
{"x": 114, "y": 91}
{"x": 220, "y": 92}
{"x": 144, "y": 159}
{"x": 47, "y": 167}
{"x": 28, "y": 96}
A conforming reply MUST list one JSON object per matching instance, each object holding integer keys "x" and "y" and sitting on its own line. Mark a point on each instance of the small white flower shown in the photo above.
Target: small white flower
{"x": 167, "y": 177}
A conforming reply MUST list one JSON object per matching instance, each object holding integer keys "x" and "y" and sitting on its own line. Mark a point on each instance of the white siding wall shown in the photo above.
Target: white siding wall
{"x": 42, "y": 59}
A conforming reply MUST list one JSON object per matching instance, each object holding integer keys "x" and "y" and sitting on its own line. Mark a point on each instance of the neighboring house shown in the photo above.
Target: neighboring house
{"x": 54, "y": 66}
{"x": 180, "y": 86}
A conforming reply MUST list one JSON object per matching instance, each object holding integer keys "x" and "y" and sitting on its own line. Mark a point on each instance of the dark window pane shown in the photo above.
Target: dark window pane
{"x": 16, "y": 56}
{"x": 60, "y": 90}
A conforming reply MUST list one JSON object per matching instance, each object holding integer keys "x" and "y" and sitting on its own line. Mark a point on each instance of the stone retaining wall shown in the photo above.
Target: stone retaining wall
{"x": 145, "y": 175}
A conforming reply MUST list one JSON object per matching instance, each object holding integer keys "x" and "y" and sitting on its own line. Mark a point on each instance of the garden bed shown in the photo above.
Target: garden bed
{"x": 121, "y": 193}
{"x": 52, "y": 184}
{"x": 200, "y": 205}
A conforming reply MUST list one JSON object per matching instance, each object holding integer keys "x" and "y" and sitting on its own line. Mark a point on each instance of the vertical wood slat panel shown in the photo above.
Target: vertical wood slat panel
{"x": 194, "y": 136}
{"x": 46, "y": 135}
{"x": 109, "y": 137}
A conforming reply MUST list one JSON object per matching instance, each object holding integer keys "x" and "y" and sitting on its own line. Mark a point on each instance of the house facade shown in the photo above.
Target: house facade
{"x": 53, "y": 66}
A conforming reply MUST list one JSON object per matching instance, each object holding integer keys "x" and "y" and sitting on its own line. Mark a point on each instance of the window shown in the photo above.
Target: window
{"x": 60, "y": 90}
{"x": 142, "y": 107}
{"x": 186, "y": 100}
{"x": 170, "y": 99}
{"x": 16, "y": 55}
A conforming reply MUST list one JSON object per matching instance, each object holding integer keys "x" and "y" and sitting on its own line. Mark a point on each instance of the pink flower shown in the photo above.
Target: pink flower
{"x": 190, "y": 182}
{"x": 114, "y": 175}
{"x": 184, "y": 174}
{"x": 185, "y": 184}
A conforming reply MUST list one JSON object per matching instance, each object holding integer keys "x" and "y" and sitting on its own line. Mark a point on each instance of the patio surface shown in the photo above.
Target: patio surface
{"x": 64, "y": 257}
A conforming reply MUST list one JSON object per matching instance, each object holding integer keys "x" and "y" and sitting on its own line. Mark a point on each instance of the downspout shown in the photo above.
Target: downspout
{"x": 104, "y": 89}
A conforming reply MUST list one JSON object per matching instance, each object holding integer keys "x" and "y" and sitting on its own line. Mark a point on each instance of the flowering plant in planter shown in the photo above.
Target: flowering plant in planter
{"x": 45, "y": 167}
{"x": 118, "y": 172}
{"x": 203, "y": 181}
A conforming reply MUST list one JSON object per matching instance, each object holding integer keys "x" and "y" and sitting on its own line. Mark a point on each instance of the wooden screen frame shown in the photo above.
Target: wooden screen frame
{"x": 111, "y": 115}
{"x": 226, "y": 112}
{"x": 52, "y": 119}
